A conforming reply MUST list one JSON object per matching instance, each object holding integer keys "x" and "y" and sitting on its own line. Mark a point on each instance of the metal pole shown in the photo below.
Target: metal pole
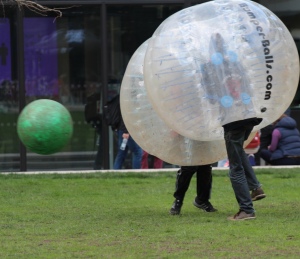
{"x": 21, "y": 78}
{"x": 105, "y": 132}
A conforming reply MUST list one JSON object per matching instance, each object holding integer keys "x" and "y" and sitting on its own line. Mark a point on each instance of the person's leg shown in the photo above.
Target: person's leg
{"x": 158, "y": 163}
{"x": 297, "y": 161}
{"x": 145, "y": 160}
{"x": 252, "y": 180}
{"x": 99, "y": 156}
{"x": 285, "y": 161}
{"x": 234, "y": 141}
{"x": 183, "y": 179}
{"x": 265, "y": 154}
{"x": 204, "y": 185}
{"x": 121, "y": 155}
{"x": 137, "y": 153}
{"x": 265, "y": 141}
{"x": 254, "y": 185}
{"x": 151, "y": 163}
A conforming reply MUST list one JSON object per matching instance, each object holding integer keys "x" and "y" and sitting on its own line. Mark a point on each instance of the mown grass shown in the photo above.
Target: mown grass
{"x": 125, "y": 215}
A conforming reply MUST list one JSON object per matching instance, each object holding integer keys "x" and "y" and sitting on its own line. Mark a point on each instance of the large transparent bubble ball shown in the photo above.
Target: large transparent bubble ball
{"x": 218, "y": 62}
{"x": 150, "y": 131}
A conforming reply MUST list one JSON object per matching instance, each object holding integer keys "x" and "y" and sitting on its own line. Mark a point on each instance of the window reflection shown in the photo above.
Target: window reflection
{"x": 9, "y": 143}
{"x": 128, "y": 27}
{"x": 62, "y": 63}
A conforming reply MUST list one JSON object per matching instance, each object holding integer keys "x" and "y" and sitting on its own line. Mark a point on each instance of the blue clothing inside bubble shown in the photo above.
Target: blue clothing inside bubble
{"x": 246, "y": 98}
{"x": 226, "y": 101}
{"x": 217, "y": 58}
{"x": 232, "y": 56}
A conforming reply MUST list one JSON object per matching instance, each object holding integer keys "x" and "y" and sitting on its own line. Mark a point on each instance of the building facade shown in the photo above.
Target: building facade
{"x": 81, "y": 54}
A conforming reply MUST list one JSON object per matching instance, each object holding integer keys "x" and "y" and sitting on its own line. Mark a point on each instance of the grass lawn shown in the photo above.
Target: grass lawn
{"x": 125, "y": 215}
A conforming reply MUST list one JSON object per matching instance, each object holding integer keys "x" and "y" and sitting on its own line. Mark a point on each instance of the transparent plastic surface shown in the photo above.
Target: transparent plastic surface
{"x": 151, "y": 132}
{"x": 218, "y": 62}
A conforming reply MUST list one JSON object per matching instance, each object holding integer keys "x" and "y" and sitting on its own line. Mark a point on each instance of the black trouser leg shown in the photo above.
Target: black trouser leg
{"x": 204, "y": 183}
{"x": 184, "y": 176}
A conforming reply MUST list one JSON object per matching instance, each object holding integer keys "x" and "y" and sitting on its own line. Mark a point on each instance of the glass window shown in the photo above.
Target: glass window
{"x": 62, "y": 63}
{"x": 129, "y": 26}
{"x": 9, "y": 101}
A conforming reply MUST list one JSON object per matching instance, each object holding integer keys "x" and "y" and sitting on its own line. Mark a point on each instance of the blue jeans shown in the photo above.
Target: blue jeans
{"x": 136, "y": 150}
{"x": 266, "y": 155}
{"x": 241, "y": 174}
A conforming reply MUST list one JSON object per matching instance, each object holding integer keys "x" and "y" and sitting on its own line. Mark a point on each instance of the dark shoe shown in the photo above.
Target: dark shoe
{"x": 206, "y": 206}
{"x": 242, "y": 215}
{"x": 176, "y": 207}
{"x": 257, "y": 194}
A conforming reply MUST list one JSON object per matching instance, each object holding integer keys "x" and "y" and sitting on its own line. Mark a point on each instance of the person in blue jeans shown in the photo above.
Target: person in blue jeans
{"x": 228, "y": 85}
{"x": 113, "y": 117}
{"x": 131, "y": 145}
{"x": 241, "y": 174}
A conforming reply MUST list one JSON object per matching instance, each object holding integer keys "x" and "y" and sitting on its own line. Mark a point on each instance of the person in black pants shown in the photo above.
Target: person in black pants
{"x": 204, "y": 185}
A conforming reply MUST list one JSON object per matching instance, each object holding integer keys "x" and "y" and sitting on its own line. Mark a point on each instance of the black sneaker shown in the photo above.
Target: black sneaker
{"x": 206, "y": 206}
{"x": 176, "y": 207}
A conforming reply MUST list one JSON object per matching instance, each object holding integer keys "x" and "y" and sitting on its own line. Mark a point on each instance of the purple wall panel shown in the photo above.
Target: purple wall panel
{"x": 5, "y": 52}
{"x": 40, "y": 46}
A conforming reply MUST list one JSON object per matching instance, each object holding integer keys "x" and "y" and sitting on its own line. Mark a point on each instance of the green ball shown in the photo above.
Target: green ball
{"x": 45, "y": 126}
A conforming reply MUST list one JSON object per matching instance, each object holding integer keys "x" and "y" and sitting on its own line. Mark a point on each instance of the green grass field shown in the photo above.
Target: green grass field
{"x": 125, "y": 215}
